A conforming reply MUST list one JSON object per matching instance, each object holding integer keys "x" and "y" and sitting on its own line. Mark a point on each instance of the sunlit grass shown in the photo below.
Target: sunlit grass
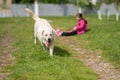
{"x": 102, "y": 35}
{"x": 32, "y": 63}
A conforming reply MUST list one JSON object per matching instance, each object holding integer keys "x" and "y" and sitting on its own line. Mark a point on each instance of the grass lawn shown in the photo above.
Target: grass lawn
{"x": 102, "y": 35}
{"x": 32, "y": 63}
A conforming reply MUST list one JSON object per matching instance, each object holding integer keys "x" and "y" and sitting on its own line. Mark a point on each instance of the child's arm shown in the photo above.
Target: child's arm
{"x": 74, "y": 29}
{"x": 81, "y": 25}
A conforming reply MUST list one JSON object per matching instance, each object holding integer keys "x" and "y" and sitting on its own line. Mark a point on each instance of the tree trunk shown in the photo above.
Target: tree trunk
{"x": 5, "y": 8}
{"x": 36, "y": 7}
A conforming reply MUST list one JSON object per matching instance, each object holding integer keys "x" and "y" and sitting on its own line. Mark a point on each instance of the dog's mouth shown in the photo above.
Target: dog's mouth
{"x": 48, "y": 43}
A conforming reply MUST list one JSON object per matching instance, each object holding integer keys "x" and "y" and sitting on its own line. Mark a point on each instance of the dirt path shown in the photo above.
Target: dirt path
{"x": 92, "y": 59}
{"x": 6, "y": 57}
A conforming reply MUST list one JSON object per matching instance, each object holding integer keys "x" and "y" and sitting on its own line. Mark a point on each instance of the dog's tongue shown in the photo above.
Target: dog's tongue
{"x": 47, "y": 44}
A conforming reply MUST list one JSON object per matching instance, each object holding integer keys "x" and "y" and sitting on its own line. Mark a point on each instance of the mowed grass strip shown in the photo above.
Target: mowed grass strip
{"x": 32, "y": 63}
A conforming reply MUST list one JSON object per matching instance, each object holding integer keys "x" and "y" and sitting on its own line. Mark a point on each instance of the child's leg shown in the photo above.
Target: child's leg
{"x": 69, "y": 33}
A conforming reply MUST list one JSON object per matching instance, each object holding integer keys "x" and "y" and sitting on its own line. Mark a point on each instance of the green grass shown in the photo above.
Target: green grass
{"x": 32, "y": 63}
{"x": 105, "y": 36}
{"x": 102, "y": 35}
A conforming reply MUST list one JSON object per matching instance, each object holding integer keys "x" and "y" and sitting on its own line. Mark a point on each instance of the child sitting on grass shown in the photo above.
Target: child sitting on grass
{"x": 80, "y": 28}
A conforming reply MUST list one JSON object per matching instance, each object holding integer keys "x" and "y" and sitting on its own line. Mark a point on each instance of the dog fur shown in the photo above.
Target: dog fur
{"x": 43, "y": 31}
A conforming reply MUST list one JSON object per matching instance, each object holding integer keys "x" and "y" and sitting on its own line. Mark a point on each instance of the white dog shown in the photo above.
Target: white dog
{"x": 43, "y": 31}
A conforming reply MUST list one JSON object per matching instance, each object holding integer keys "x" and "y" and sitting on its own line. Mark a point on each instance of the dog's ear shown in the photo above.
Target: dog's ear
{"x": 53, "y": 32}
{"x": 42, "y": 32}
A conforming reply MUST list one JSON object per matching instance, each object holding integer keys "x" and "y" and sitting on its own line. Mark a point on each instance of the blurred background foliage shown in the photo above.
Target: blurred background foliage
{"x": 80, "y": 3}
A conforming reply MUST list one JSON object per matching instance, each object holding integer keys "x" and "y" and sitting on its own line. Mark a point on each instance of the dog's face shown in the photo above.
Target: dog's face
{"x": 48, "y": 37}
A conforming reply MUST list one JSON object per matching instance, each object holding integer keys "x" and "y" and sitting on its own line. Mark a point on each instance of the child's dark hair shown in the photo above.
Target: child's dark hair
{"x": 79, "y": 15}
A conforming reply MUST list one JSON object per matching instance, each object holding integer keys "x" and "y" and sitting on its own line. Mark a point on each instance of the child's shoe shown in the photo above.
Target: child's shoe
{"x": 58, "y": 32}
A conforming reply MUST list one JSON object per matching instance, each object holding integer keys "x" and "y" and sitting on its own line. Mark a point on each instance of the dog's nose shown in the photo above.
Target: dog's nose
{"x": 49, "y": 40}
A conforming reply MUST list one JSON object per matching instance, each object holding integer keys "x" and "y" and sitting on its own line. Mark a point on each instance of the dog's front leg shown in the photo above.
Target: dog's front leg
{"x": 42, "y": 44}
{"x": 51, "y": 50}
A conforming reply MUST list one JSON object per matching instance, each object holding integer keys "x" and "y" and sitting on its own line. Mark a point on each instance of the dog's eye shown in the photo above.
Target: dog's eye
{"x": 46, "y": 35}
{"x": 50, "y": 34}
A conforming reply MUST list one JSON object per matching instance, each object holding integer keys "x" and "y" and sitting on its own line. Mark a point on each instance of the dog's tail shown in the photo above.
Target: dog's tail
{"x": 31, "y": 14}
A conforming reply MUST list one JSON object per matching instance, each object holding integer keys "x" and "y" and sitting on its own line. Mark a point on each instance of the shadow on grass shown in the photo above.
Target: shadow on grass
{"x": 41, "y": 55}
{"x": 61, "y": 52}
{"x": 88, "y": 30}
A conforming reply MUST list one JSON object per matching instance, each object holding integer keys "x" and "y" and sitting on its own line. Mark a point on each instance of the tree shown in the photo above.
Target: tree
{"x": 42, "y": 1}
{"x": 117, "y": 2}
{"x": 5, "y": 4}
{"x": 36, "y": 7}
{"x": 108, "y": 2}
{"x": 23, "y": 1}
{"x": 5, "y": 8}
{"x": 54, "y": 1}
